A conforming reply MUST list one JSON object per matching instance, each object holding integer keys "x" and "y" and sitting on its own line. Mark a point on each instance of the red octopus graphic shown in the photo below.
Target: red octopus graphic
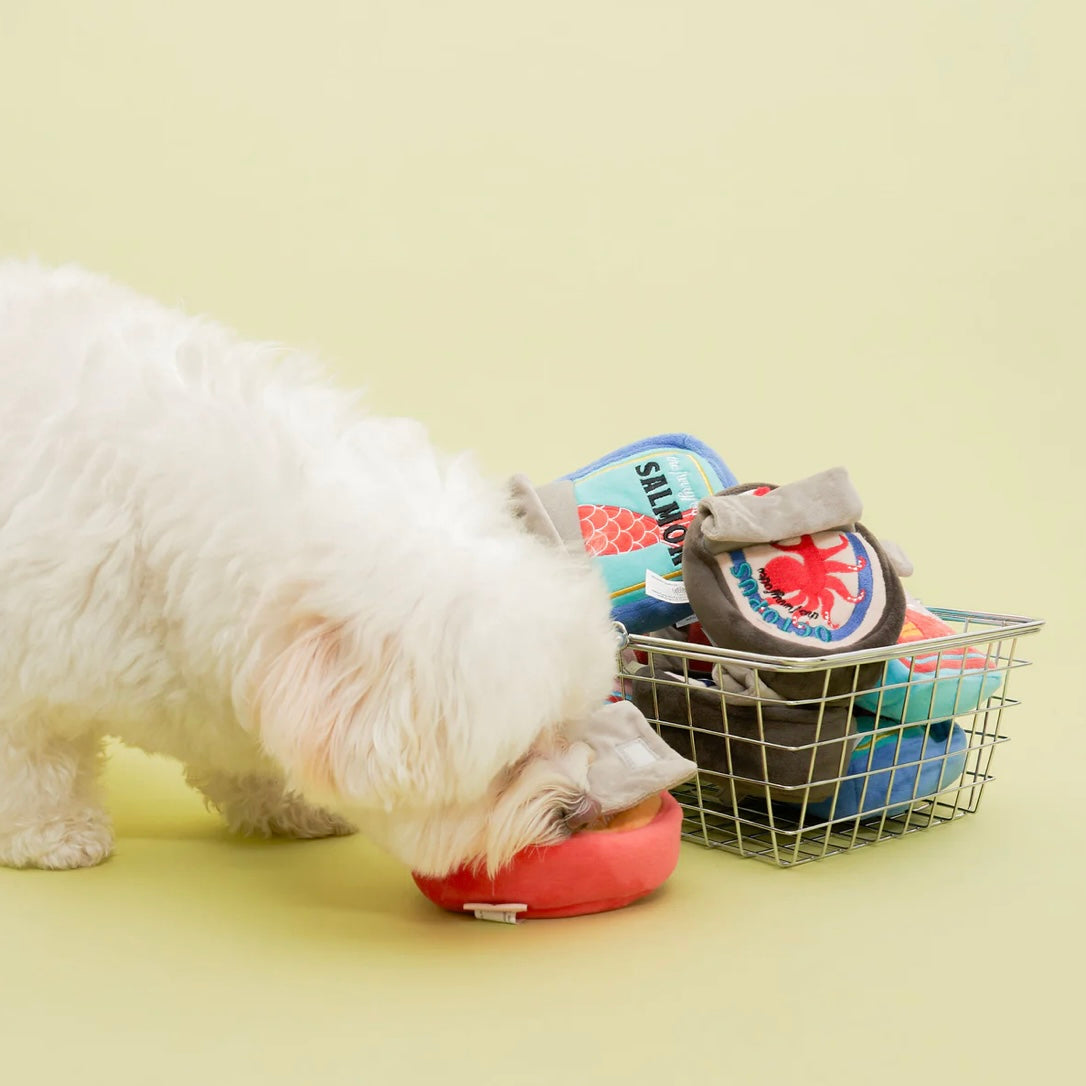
{"x": 806, "y": 582}
{"x": 610, "y": 529}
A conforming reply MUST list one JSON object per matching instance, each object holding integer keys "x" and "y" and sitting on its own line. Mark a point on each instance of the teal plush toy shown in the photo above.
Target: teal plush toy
{"x": 630, "y": 510}
{"x": 932, "y": 683}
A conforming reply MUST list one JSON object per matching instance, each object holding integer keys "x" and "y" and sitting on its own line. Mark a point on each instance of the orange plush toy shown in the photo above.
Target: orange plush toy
{"x": 627, "y": 853}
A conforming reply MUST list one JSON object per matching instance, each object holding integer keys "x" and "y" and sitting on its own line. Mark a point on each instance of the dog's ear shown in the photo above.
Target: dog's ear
{"x": 290, "y": 709}
{"x": 342, "y": 720}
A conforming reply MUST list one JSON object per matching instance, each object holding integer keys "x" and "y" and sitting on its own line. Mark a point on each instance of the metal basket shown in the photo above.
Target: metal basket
{"x": 792, "y": 781}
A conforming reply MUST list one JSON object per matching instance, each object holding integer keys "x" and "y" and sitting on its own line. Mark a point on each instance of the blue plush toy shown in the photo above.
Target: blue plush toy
{"x": 892, "y": 766}
{"x": 630, "y": 511}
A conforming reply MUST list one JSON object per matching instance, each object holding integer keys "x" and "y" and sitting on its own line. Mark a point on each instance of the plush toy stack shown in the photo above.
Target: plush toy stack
{"x": 692, "y": 556}
{"x": 781, "y": 571}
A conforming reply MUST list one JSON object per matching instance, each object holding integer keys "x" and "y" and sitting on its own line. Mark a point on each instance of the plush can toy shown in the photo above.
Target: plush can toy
{"x": 608, "y": 866}
{"x": 790, "y": 571}
{"x": 627, "y": 852}
{"x": 630, "y": 511}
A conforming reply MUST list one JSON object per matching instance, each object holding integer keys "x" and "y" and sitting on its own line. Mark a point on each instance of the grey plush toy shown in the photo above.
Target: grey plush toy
{"x": 774, "y": 748}
{"x": 790, "y": 571}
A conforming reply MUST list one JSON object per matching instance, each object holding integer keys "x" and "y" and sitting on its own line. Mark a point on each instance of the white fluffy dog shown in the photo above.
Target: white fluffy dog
{"x": 209, "y": 552}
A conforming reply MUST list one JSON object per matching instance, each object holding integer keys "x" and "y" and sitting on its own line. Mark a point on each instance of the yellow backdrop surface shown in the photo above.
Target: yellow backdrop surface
{"x": 810, "y": 234}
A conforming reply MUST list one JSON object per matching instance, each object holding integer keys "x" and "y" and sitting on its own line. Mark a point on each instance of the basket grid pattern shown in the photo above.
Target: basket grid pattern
{"x": 849, "y": 775}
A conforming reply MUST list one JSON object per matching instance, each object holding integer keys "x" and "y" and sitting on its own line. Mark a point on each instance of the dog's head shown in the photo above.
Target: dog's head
{"x": 433, "y": 708}
{"x": 540, "y": 800}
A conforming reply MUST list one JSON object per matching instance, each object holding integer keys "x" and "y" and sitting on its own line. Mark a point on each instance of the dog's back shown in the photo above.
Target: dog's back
{"x": 141, "y": 450}
{"x": 211, "y": 552}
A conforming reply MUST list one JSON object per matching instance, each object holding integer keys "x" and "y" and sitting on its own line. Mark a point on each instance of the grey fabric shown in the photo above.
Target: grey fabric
{"x": 735, "y": 519}
{"x": 737, "y": 684}
{"x": 549, "y": 511}
{"x": 901, "y": 562}
{"x": 780, "y": 754}
{"x": 743, "y": 684}
{"x": 560, "y": 502}
{"x": 631, "y": 762}
{"x": 530, "y": 510}
{"x": 731, "y": 624}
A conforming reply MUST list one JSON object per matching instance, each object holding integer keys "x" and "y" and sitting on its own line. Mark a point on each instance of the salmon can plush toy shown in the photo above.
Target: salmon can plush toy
{"x": 629, "y": 511}
{"x": 628, "y": 851}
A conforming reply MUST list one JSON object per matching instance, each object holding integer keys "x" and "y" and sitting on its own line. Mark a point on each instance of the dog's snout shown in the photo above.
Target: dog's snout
{"x": 586, "y": 812}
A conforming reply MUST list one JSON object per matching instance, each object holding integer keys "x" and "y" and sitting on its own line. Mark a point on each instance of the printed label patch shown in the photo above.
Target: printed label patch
{"x": 635, "y": 513}
{"x": 659, "y": 588}
{"x": 817, "y": 588}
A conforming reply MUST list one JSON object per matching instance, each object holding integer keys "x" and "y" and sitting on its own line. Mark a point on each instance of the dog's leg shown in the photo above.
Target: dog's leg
{"x": 262, "y": 806}
{"x": 51, "y": 815}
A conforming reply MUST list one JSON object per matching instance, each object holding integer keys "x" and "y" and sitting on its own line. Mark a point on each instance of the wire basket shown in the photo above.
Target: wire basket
{"x": 895, "y": 740}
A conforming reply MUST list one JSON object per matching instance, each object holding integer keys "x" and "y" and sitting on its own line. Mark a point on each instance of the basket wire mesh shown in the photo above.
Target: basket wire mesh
{"x": 838, "y": 773}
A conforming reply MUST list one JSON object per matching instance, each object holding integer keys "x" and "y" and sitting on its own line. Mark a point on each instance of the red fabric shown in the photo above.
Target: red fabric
{"x": 922, "y": 625}
{"x": 611, "y": 529}
{"x": 588, "y": 873}
{"x": 690, "y": 634}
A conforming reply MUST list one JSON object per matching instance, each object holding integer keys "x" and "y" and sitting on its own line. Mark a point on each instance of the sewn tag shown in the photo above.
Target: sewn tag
{"x": 636, "y": 753}
{"x": 501, "y": 914}
{"x": 660, "y": 588}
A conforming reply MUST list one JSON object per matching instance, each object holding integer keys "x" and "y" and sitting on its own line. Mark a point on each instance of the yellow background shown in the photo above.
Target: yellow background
{"x": 810, "y": 234}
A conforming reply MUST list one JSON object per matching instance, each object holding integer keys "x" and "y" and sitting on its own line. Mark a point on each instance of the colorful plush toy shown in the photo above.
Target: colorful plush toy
{"x": 789, "y": 571}
{"x": 794, "y": 753}
{"x": 892, "y": 766}
{"x": 627, "y": 852}
{"x": 933, "y": 684}
{"x": 630, "y": 511}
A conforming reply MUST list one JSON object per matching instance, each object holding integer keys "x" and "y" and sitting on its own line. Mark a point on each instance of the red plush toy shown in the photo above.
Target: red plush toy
{"x": 606, "y": 866}
{"x": 628, "y": 852}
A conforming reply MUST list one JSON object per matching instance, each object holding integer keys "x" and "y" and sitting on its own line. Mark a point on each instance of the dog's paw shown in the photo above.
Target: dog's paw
{"x": 301, "y": 820}
{"x": 60, "y": 845}
{"x": 262, "y": 806}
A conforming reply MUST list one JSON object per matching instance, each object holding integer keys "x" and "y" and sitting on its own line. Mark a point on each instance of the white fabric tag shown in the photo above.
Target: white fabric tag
{"x": 660, "y": 588}
{"x": 636, "y": 753}
{"x": 500, "y": 914}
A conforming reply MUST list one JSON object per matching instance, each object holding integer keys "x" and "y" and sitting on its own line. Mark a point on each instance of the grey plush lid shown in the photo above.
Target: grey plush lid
{"x": 631, "y": 761}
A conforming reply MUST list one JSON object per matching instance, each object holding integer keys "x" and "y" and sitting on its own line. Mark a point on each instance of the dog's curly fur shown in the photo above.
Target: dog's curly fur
{"x": 211, "y": 552}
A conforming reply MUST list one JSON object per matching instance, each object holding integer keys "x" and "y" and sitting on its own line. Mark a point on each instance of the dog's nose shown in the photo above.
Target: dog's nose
{"x": 586, "y": 812}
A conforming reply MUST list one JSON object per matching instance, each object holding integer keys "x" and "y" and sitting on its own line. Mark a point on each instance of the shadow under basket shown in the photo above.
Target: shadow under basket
{"x": 886, "y": 742}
